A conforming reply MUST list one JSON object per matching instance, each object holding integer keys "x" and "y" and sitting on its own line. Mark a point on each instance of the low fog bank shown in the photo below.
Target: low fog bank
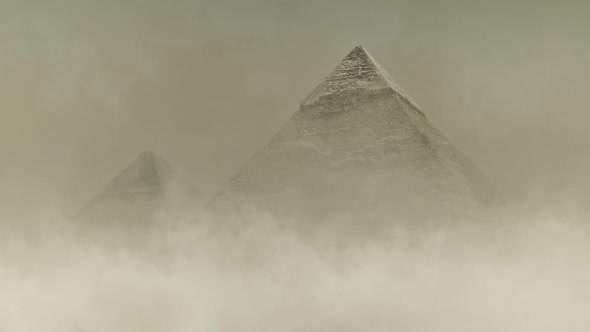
{"x": 525, "y": 271}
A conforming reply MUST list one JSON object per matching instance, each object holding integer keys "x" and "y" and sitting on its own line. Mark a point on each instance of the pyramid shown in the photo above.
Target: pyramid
{"x": 358, "y": 146}
{"x": 144, "y": 192}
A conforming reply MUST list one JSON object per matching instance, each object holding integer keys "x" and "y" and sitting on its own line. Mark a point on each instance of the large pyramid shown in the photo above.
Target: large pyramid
{"x": 148, "y": 191}
{"x": 358, "y": 146}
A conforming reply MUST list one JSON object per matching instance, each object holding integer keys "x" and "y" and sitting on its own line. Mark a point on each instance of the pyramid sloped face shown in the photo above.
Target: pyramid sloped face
{"x": 358, "y": 143}
{"x": 141, "y": 180}
{"x": 135, "y": 197}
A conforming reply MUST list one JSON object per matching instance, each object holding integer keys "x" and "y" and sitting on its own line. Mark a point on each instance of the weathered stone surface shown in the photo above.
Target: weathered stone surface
{"x": 358, "y": 145}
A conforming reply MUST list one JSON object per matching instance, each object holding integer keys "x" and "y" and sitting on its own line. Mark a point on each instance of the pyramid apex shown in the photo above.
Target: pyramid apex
{"x": 357, "y": 71}
{"x": 147, "y": 154}
{"x": 361, "y": 51}
{"x": 150, "y": 159}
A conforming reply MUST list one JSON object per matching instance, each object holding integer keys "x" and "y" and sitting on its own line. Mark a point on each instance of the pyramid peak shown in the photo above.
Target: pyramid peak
{"x": 147, "y": 155}
{"x": 361, "y": 57}
{"x": 357, "y": 49}
{"x": 149, "y": 162}
{"x": 140, "y": 180}
{"x": 357, "y": 71}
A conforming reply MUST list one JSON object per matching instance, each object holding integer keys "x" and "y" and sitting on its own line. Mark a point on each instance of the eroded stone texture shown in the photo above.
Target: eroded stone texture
{"x": 358, "y": 146}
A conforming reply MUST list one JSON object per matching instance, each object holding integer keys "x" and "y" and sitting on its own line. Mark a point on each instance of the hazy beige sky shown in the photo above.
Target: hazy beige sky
{"x": 87, "y": 85}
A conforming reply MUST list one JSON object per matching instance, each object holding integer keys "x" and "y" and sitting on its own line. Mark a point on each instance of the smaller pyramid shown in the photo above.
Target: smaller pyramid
{"x": 148, "y": 191}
